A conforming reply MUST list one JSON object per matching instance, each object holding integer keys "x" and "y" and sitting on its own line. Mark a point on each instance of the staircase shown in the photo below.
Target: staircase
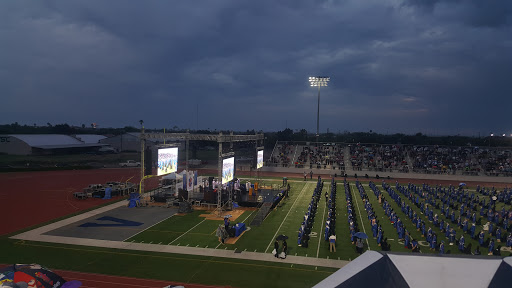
{"x": 347, "y": 158}
{"x": 409, "y": 161}
{"x": 262, "y": 214}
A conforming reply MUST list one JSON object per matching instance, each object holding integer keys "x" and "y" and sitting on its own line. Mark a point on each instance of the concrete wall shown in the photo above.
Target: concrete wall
{"x": 14, "y": 146}
{"x": 125, "y": 142}
{"x": 371, "y": 174}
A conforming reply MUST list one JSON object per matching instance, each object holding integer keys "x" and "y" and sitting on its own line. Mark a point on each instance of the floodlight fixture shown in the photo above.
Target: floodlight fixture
{"x": 318, "y": 81}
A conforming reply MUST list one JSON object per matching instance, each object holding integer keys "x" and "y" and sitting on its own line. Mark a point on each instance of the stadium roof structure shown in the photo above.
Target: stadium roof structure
{"x": 52, "y": 141}
{"x": 39, "y": 140}
{"x": 379, "y": 269}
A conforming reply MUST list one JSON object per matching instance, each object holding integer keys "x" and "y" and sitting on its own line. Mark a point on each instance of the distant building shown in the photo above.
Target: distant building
{"x": 128, "y": 142}
{"x": 124, "y": 142}
{"x": 90, "y": 138}
{"x": 27, "y": 144}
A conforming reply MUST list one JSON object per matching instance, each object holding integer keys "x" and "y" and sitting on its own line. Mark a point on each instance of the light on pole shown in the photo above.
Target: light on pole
{"x": 318, "y": 81}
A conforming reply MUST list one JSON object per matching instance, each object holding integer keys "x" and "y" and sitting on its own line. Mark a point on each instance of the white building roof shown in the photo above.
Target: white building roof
{"x": 35, "y": 140}
{"x": 90, "y": 138}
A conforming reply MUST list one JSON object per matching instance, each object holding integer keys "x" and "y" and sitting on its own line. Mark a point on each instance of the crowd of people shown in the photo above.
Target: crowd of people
{"x": 443, "y": 159}
{"x": 282, "y": 155}
{"x": 352, "y": 221}
{"x": 330, "y": 224}
{"x": 378, "y": 157}
{"x": 450, "y": 200}
{"x": 429, "y": 159}
{"x": 321, "y": 156}
{"x": 309, "y": 216}
{"x": 495, "y": 161}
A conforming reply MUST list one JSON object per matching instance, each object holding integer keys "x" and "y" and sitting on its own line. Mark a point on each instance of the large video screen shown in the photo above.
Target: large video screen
{"x": 167, "y": 161}
{"x": 259, "y": 162}
{"x": 228, "y": 169}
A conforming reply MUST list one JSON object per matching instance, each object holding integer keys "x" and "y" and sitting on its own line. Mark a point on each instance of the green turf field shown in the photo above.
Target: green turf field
{"x": 195, "y": 231}
{"x": 171, "y": 267}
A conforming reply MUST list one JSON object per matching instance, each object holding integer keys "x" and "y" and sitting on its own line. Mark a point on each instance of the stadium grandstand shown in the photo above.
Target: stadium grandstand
{"x": 393, "y": 158}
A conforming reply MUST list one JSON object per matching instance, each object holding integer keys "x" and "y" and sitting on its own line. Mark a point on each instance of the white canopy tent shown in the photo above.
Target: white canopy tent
{"x": 378, "y": 269}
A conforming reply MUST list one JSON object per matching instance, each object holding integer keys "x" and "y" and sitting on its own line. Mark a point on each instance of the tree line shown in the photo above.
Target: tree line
{"x": 272, "y": 137}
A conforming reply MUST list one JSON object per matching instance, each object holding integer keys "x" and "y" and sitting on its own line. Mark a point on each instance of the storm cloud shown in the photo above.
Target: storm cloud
{"x": 436, "y": 67}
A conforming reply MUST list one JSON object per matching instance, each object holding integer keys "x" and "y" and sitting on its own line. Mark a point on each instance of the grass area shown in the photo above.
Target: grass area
{"x": 171, "y": 267}
{"x": 417, "y": 234}
{"x": 286, "y": 220}
{"x": 195, "y": 231}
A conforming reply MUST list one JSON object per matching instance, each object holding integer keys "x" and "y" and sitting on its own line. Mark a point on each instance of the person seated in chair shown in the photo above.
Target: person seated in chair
{"x": 461, "y": 243}
{"x": 509, "y": 240}
{"x": 415, "y": 247}
{"x": 481, "y": 236}
{"x": 477, "y": 251}
{"x": 491, "y": 247}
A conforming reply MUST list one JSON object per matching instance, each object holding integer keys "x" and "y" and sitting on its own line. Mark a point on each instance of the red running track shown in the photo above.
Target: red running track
{"x": 106, "y": 281}
{"x": 92, "y": 280}
{"x": 38, "y": 197}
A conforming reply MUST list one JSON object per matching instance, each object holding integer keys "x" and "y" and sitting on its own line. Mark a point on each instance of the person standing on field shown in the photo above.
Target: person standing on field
{"x": 332, "y": 243}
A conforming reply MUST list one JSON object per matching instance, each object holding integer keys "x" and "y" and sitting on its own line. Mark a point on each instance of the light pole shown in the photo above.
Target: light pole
{"x": 318, "y": 81}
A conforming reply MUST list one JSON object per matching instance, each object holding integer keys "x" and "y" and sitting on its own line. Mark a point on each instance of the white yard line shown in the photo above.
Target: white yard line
{"x": 321, "y": 226}
{"x": 148, "y": 228}
{"x": 188, "y": 231}
{"x": 291, "y": 208}
{"x": 248, "y": 216}
{"x": 361, "y": 217}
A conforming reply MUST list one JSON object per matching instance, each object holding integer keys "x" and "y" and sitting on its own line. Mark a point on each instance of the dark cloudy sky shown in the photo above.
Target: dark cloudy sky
{"x": 437, "y": 67}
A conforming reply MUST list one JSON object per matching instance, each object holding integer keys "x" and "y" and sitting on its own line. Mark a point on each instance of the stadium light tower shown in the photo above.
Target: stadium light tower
{"x": 318, "y": 81}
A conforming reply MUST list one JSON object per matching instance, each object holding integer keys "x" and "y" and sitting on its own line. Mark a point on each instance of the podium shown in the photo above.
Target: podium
{"x": 239, "y": 229}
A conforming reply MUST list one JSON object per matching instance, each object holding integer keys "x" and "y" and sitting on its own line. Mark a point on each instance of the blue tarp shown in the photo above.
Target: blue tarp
{"x": 108, "y": 193}
{"x": 134, "y": 200}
